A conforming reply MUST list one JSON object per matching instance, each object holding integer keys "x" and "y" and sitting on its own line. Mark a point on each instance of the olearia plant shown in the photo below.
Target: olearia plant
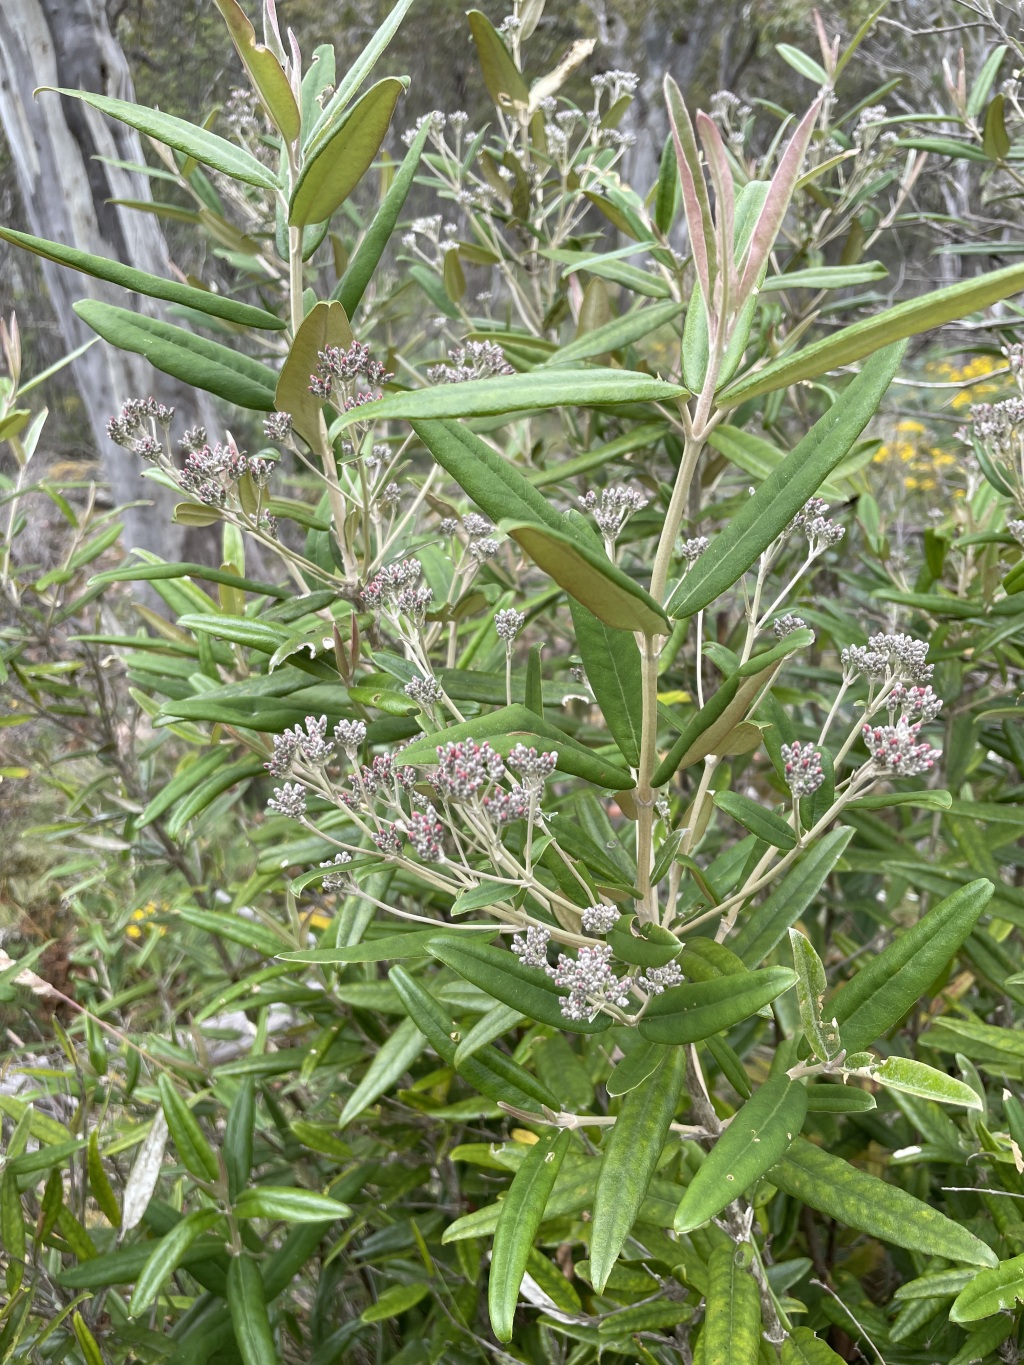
{"x": 596, "y": 786}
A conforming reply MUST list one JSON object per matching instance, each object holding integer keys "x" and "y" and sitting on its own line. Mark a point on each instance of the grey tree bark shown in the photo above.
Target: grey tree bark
{"x": 54, "y": 144}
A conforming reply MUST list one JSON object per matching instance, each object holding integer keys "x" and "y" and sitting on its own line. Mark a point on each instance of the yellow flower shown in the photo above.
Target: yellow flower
{"x": 882, "y": 455}
{"x": 909, "y": 426}
{"x": 140, "y": 915}
{"x": 910, "y": 482}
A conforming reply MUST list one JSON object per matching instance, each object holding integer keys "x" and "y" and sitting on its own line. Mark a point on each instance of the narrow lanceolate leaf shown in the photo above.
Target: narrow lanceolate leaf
{"x": 359, "y": 271}
{"x": 764, "y": 927}
{"x": 167, "y": 1256}
{"x": 195, "y": 360}
{"x": 811, "y": 986}
{"x": 336, "y": 165}
{"x": 616, "y": 334}
{"x": 289, "y": 1204}
{"x": 265, "y": 71}
{"x": 193, "y": 1149}
{"x": 787, "y": 488}
{"x": 392, "y": 1061}
{"x": 766, "y": 824}
{"x": 881, "y": 993}
{"x": 915, "y": 1078}
{"x": 758, "y": 1136}
{"x": 861, "y": 1201}
{"x": 611, "y": 661}
{"x": 502, "y": 975}
{"x": 802, "y": 1347}
{"x": 102, "y": 268}
{"x": 248, "y": 1304}
{"x": 145, "y": 1173}
{"x": 686, "y": 1014}
{"x": 589, "y": 577}
{"x": 991, "y": 1291}
{"x": 99, "y": 1183}
{"x": 696, "y": 201}
{"x": 12, "y": 1228}
{"x": 732, "y": 1322}
{"x": 239, "y": 1132}
{"x": 519, "y": 393}
{"x": 504, "y": 81}
{"x": 630, "y": 1160}
{"x": 709, "y": 730}
{"x": 863, "y": 338}
{"x": 185, "y": 137}
{"x": 489, "y": 1071}
{"x": 522, "y": 1212}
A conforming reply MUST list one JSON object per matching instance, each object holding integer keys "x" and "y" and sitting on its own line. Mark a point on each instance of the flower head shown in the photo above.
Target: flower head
{"x": 802, "y": 768}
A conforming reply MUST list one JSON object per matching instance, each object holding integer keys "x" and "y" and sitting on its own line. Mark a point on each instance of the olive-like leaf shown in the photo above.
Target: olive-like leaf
{"x": 686, "y": 1014}
{"x": 141, "y": 282}
{"x": 732, "y": 1321}
{"x": 862, "y": 1201}
{"x": 289, "y": 1204}
{"x": 589, "y": 576}
{"x": 265, "y": 71}
{"x": 502, "y": 975}
{"x": 503, "y": 79}
{"x": 882, "y": 992}
{"x": 867, "y": 337}
{"x": 766, "y": 824}
{"x": 811, "y": 985}
{"x": 764, "y": 928}
{"x": 333, "y": 168}
{"x": 927, "y": 1082}
{"x": 630, "y": 1159}
{"x": 326, "y": 324}
{"x": 758, "y": 1136}
{"x": 990, "y": 1291}
{"x": 195, "y": 360}
{"x": 166, "y": 1256}
{"x": 771, "y": 509}
{"x": 522, "y": 1212}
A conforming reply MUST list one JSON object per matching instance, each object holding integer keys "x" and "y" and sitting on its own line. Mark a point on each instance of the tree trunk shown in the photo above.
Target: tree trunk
{"x": 54, "y": 145}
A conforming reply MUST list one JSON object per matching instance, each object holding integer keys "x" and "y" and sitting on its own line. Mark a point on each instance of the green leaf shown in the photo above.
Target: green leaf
{"x": 87, "y": 1343}
{"x": 827, "y": 277}
{"x": 359, "y": 271}
{"x": 247, "y": 1300}
{"x": 882, "y": 992}
{"x": 207, "y": 792}
{"x": 357, "y": 73}
{"x": 203, "y": 300}
{"x": 265, "y": 71}
{"x": 757, "y": 1137}
{"x": 522, "y": 1212}
{"x": 511, "y": 725}
{"x": 193, "y": 1149}
{"x": 391, "y": 1062}
{"x": 390, "y": 948}
{"x": 238, "y": 1137}
{"x": 641, "y": 1061}
{"x": 995, "y": 142}
{"x": 612, "y": 336}
{"x": 504, "y": 82}
{"x": 398, "y": 1299}
{"x": 991, "y": 1291}
{"x": 185, "y": 137}
{"x": 764, "y": 928}
{"x": 863, "y": 338}
{"x": 709, "y": 730}
{"x": 335, "y": 165}
{"x": 765, "y": 515}
{"x": 493, "y": 1024}
{"x": 811, "y": 986}
{"x": 915, "y": 1078}
{"x": 489, "y": 1071}
{"x": 501, "y": 974}
{"x": 732, "y": 1322}
{"x": 326, "y": 324}
{"x": 802, "y": 1347}
{"x": 539, "y": 389}
{"x": 766, "y": 824}
{"x": 167, "y": 1255}
{"x": 630, "y": 1159}
{"x": 804, "y": 65}
{"x": 203, "y": 364}
{"x": 193, "y": 774}
{"x": 289, "y": 1204}
{"x": 589, "y": 576}
{"x": 645, "y": 945}
{"x": 861, "y": 1201}
{"x": 12, "y": 1229}
{"x": 686, "y": 1014}
{"x": 99, "y": 1183}
{"x": 611, "y": 661}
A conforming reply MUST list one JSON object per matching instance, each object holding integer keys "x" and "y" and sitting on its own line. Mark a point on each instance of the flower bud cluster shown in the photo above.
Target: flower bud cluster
{"x": 820, "y": 530}
{"x": 128, "y": 428}
{"x": 465, "y": 769}
{"x": 310, "y": 745}
{"x": 395, "y": 591}
{"x": 896, "y": 749}
{"x": 473, "y": 360}
{"x": 508, "y": 624}
{"x": 599, "y": 919}
{"x": 916, "y": 703}
{"x": 786, "y": 625}
{"x": 333, "y": 880}
{"x": 341, "y": 367}
{"x": 888, "y": 656}
{"x": 616, "y": 506}
{"x": 691, "y": 550}
{"x": 590, "y": 981}
{"x": 802, "y": 768}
